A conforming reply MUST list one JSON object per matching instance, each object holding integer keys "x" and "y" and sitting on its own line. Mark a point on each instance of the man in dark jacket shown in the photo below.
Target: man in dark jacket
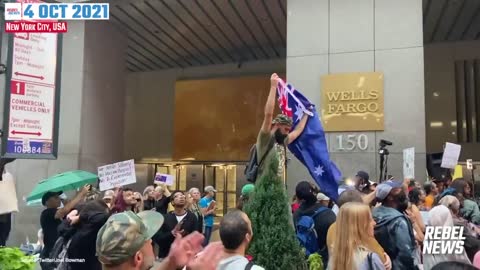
{"x": 394, "y": 231}
{"x": 179, "y": 221}
{"x": 323, "y": 220}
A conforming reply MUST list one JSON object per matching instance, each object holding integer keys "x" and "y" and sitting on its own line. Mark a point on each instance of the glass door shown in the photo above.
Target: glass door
{"x": 224, "y": 179}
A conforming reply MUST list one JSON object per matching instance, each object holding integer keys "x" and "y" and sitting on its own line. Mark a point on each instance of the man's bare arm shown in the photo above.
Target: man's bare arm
{"x": 270, "y": 105}
{"x": 367, "y": 199}
{"x": 71, "y": 204}
{"x": 292, "y": 136}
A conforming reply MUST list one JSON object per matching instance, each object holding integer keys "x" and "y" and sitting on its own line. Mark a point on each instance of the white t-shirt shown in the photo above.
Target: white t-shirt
{"x": 235, "y": 263}
{"x": 335, "y": 209}
{"x": 180, "y": 218}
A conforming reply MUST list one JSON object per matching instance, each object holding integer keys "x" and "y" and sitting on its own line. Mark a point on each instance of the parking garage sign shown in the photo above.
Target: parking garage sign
{"x": 32, "y": 96}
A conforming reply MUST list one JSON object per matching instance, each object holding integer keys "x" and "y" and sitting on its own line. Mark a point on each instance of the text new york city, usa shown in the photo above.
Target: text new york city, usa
{"x": 35, "y": 27}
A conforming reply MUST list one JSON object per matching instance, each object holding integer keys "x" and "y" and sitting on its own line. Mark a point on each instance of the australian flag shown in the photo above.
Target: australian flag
{"x": 311, "y": 146}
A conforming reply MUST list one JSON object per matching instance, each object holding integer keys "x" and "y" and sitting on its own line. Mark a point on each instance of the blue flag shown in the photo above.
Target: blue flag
{"x": 311, "y": 146}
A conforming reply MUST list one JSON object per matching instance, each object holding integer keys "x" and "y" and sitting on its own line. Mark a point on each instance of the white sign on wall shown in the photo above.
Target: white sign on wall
{"x": 451, "y": 153}
{"x": 117, "y": 175}
{"x": 409, "y": 163}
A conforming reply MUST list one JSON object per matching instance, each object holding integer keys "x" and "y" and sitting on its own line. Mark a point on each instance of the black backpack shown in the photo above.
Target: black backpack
{"x": 251, "y": 168}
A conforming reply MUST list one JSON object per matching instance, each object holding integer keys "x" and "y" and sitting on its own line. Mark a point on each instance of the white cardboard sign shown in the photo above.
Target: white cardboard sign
{"x": 166, "y": 179}
{"x": 117, "y": 175}
{"x": 409, "y": 163}
{"x": 451, "y": 154}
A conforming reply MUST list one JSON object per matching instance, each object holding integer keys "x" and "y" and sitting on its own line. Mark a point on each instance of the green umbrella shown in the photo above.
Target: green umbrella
{"x": 62, "y": 182}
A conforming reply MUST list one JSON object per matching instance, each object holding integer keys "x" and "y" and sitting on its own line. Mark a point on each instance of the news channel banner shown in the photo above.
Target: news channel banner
{"x": 50, "y": 17}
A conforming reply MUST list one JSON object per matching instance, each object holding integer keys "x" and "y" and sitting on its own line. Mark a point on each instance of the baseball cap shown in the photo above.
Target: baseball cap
{"x": 304, "y": 190}
{"x": 124, "y": 234}
{"x": 247, "y": 189}
{"x": 282, "y": 120}
{"x": 363, "y": 175}
{"x": 322, "y": 197}
{"x": 384, "y": 188}
{"x": 108, "y": 194}
{"x": 210, "y": 189}
{"x": 50, "y": 194}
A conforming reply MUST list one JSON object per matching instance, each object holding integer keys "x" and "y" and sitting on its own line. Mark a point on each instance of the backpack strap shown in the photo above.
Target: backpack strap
{"x": 319, "y": 210}
{"x": 370, "y": 261}
{"x": 249, "y": 265}
{"x": 270, "y": 146}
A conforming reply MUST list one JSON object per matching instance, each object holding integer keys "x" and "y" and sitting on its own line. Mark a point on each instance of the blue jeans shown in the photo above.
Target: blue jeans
{"x": 207, "y": 234}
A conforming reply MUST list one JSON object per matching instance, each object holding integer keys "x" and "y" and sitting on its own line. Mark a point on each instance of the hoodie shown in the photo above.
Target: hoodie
{"x": 394, "y": 232}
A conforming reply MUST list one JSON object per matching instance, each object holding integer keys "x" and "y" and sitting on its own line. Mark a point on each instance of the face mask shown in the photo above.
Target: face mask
{"x": 280, "y": 137}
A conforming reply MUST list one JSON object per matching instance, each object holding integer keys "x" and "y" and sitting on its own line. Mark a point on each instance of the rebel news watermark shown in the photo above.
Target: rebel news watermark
{"x": 446, "y": 240}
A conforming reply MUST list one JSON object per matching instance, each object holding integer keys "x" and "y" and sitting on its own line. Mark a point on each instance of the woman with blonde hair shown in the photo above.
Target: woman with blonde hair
{"x": 355, "y": 225}
{"x": 195, "y": 197}
{"x": 149, "y": 198}
{"x": 139, "y": 205}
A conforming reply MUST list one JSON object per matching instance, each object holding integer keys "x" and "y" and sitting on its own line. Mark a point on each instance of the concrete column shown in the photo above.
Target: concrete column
{"x": 337, "y": 36}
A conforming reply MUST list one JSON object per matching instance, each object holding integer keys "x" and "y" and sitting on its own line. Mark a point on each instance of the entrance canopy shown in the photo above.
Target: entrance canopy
{"x": 456, "y": 20}
{"x": 166, "y": 34}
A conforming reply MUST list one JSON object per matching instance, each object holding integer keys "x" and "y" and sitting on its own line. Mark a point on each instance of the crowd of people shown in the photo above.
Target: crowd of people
{"x": 370, "y": 226}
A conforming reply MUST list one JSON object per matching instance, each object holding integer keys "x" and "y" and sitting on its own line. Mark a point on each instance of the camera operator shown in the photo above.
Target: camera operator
{"x": 362, "y": 182}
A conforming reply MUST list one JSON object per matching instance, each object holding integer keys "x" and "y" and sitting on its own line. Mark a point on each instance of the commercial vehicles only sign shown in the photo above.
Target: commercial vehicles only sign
{"x": 32, "y": 96}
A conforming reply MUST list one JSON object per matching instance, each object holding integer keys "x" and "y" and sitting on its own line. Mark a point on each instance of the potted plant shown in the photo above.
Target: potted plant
{"x": 15, "y": 259}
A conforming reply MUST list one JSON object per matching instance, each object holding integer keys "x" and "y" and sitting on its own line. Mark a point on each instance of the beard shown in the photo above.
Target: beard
{"x": 280, "y": 137}
{"x": 402, "y": 202}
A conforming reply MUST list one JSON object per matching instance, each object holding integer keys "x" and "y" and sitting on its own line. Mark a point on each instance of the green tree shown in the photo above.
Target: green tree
{"x": 274, "y": 245}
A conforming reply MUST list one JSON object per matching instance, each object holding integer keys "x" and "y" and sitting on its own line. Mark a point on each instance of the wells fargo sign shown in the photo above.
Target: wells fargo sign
{"x": 352, "y": 102}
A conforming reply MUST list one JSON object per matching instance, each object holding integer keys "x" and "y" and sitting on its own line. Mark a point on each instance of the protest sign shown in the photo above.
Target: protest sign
{"x": 117, "y": 175}
{"x": 166, "y": 179}
{"x": 451, "y": 154}
{"x": 409, "y": 163}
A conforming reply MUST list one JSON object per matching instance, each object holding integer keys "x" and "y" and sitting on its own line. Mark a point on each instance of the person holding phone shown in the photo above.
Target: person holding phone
{"x": 208, "y": 207}
{"x": 178, "y": 222}
{"x": 51, "y": 217}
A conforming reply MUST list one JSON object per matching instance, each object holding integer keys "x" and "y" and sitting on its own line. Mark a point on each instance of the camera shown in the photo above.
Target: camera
{"x": 384, "y": 143}
{"x": 383, "y": 152}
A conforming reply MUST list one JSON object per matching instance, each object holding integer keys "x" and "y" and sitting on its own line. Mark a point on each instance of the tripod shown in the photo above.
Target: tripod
{"x": 383, "y": 152}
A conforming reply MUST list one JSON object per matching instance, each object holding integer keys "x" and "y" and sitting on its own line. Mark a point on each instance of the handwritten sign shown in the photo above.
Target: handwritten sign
{"x": 117, "y": 175}
{"x": 161, "y": 178}
{"x": 409, "y": 163}
{"x": 451, "y": 155}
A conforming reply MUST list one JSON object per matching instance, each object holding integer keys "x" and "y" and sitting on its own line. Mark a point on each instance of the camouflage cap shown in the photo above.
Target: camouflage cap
{"x": 282, "y": 120}
{"x": 124, "y": 234}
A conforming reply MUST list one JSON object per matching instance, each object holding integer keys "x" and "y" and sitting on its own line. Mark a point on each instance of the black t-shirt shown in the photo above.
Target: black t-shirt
{"x": 49, "y": 227}
{"x": 162, "y": 205}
